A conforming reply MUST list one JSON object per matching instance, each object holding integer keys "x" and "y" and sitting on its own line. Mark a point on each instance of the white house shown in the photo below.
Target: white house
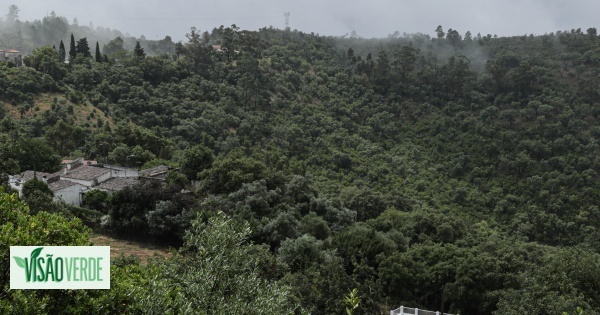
{"x": 13, "y": 55}
{"x": 17, "y": 181}
{"x": 67, "y": 191}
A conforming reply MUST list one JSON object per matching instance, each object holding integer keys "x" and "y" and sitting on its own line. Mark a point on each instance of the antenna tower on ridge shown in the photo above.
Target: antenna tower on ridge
{"x": 287, "y": 19}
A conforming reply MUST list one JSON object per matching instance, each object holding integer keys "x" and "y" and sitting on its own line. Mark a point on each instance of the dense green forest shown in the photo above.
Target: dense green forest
{"x": 459, "y": 171}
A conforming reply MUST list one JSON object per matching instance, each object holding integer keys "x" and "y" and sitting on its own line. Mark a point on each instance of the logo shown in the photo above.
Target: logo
{"x": 60, "y": 267}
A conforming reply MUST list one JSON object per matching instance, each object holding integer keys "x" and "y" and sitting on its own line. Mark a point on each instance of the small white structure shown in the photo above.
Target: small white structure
{"x": 67, "y": 191}
{"x": 11, "y": 55}
{"x": 120, "y": 171}
{"x": 414, "y": 311}
{"x": 16, "y": 182}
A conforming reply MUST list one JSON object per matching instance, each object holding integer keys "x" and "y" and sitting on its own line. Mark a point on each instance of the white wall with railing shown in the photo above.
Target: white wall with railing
{"x": 414, "y": 311}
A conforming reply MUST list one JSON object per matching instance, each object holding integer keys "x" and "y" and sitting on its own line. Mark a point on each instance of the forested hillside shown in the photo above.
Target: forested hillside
{"x": 456, "y": 172}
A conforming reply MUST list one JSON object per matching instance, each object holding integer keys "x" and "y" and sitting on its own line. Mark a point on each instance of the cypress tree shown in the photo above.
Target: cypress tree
{"x": 98, "y": 54}
{"x": 61, "y": 52}
{"x": 72, "y": 50}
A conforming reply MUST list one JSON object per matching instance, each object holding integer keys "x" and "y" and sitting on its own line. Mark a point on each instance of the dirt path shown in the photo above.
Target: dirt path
{"x": 129, "y": 248}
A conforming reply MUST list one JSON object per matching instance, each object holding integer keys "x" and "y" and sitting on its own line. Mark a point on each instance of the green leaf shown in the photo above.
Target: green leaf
{"x": 35, "y": 253}
{"x": 20, "y": 261}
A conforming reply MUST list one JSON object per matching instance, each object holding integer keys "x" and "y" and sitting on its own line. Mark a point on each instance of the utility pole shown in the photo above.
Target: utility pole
{"x": 287, "y": 20}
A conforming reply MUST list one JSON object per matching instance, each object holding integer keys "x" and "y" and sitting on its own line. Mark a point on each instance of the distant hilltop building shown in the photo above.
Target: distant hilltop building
{"x": 11, "y": 55}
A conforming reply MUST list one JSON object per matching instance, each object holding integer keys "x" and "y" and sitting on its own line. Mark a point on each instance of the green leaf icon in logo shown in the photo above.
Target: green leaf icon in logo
{"x": 35, "y": 253}
{"x": 20, "y": 261}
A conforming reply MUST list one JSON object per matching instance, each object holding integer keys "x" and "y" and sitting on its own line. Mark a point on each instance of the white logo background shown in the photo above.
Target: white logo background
{"x": 101, "y": 254}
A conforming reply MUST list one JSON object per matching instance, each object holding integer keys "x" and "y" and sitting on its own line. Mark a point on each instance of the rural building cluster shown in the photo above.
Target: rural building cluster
{"x": 80, "y": 176}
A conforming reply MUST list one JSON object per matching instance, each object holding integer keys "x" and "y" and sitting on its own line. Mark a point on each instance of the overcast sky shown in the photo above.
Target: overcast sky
{"x": 374, "y": 18}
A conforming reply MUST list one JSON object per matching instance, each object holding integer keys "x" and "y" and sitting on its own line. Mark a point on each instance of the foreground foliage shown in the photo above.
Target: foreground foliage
{"x": 216, "y": 271}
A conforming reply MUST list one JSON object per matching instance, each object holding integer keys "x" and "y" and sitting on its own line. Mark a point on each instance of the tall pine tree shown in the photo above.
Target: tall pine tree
{"x": 83, "y": 48}
{"x": 61, "y": 52}
{"x": 72, "y": 50}
{"x": 138, "y": 50}
{"x": 98, "y": 54}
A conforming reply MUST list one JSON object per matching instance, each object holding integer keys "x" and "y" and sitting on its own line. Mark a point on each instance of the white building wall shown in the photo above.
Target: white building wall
{"x": 119, "y": 171}
{"x": 70, "y": 195}
{"x": 15, "y": 183}
{"x": 104, "y": 177}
